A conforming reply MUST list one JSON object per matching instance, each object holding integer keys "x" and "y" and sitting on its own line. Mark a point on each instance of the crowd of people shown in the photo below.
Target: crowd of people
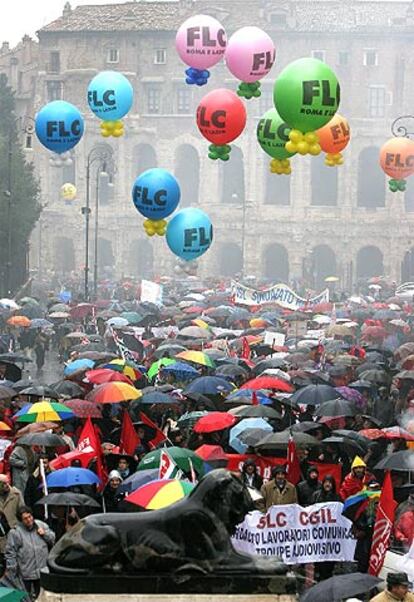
{"x": 179, "y": 376}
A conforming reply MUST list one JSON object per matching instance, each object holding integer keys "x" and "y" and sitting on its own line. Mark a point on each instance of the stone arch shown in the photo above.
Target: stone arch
{"x": 369, "y": 262}
{"x": 324, "y": 183}
{"x": 141, "y": 259}
{"x": 276, "y": 263}
{"x": 106, "y": 259}
{"x": 187, "y": 172}
{"x": 68, "y": 172}
{"x": 64, "y": 254}
{"x": 277, "y": 188}
{"x": 323, "y": 265}
{"x": 233, "y": 191}
{"x": 371, "y": 179}
{"x": 407, "y": 266}
{"x": 144, "y": 157}
{"x": 230, "y": 259}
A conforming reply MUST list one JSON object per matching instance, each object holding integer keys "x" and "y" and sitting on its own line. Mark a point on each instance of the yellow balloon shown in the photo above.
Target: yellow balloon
{"x": 302, "y": 147}
{"x": 68, "y": 192}
{"x": 311, "y": 137}
{"x": 290, "y": 147}
{"x": 295, "y": 136}
{"x": 314, "y": 149}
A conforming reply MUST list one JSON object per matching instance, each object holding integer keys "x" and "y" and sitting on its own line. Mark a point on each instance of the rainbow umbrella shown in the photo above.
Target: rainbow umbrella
{"x": 99, "y": 376}
{"x": 199, "y": 322}
{"x": 114, "y": 392}
{"x": 43, "y": 411}
{"x": 160, "y": 493}
{"x": 196, "y": 357}
{"x": 129, "y": 369}
{"x": 355, "y": 505}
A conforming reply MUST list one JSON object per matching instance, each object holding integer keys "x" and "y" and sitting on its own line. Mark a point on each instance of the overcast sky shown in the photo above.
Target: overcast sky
{"x": 27, "y": 16}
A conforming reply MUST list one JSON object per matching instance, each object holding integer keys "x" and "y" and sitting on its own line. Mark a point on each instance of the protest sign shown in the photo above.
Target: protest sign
{"x": 281, "y": 294}
{"x": 151, "y": 292}
{"x": 297, "y": 535}
{"x": 274, "y": 339}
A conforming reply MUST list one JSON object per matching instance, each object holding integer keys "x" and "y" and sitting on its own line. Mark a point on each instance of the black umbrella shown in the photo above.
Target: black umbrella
{"x": 402, "y": 460}
{"x": 341, "y": 586}
{"x": 40, "y": 391}
{"x": 23, "y": 384}
{"x": 375, "y": 376}
{"x": 252, "y": 436}
{"x": 280, "y": 440}
{"x": 314, "y": 395}
{"x": 354, "y": 435}
{"x": 405, "y": 375}
{"x": 361, "y": 385}
{"x": 372, "y": 365}
{"x": 259, "y": 411}
{"x": 273, "y": 362}
{"x": 68, "y": 388}
{"x": 335, "y": 408}
{"x": 12, "y": 372}
{"x": 232, "y": 371}
{"x": 16, "y": 358}
{"x": 305, "y": 427}
{"x": 350, "y": 446}
{"x": 44, "y": 439}
{"x": 170, "y": 349}
{"x": 68, "y": 498}
{"x": 6, "y": 392}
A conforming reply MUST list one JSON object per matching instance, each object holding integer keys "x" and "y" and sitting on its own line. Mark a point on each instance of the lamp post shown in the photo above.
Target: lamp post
{"x": 403, "y": 126}
{"x": 102, "y": 155}
{"x": 243, "y": 207}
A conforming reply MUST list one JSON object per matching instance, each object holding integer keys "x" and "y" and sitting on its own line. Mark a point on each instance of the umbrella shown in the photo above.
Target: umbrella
{"x": 181, "y": 370}
{"x": 67, "y": 388}
{"x": 374, "y": 332}
{"x": 40, "y": 323}
{"x": 194, "y": 332}
{"x": 160, "y": 493}
{"x": 169, "y": 349}
{"x": 8, "y": 594}
{"x": 84, "y": 409}
{"x": 181, "y": 457}
{"x": 59, "y": 315}
{"x": 361, "y": 384}
{"x": 244, "y": 426}
{"x": 405, "y": 375}
{"x": 4, "y": 426}
{"x": 339, "y": 330}
{"x": 156, "y": 366}
{"x": 274, "y": 362}
{"x": 340, "y": 587}
{"x": 375, "y": 376}
{"x": 14, "y": 358}
{"x": 335, "y": 408}
{"x": 19, "y": 321}
{"x": 158, "y": 397}
{"x": 281, "y": 440}
{"x": 83, "y": 364}
{"x": 196, "y": 357}
{"x": 231, "y": 371}
{"x": 305, "y": 427}
{"x": 129, "y": 369}
{"x": 355, "y": 505}
{"x": 351, "y": 394}
{"x": 252, "y": 436}
{"x": 268, "y": 382}
{"x": 40, "y": 391}
{"x": 314, "y": 395}
{"x": 402, "y": 460}
{"x": 209, "y": 385}
{"x": 350, "y": 446}
{"x": 214, "y": 421}
{"x": 114, "y": 393}
{"x": 68, "y": 498}
{"x": 59, "y": 307}
{"x": 117, "y": 322}
{"x": 43, "y": 411}
{"x": 132, "y": 317}
{"x": 404, "y": 350}
{"x": 100, "y": 376}
{"x": 138, "y": 479}
{"x": 6, "y": 392}
{"x": 69, "y": 477}
{"x": 372, "y": 434}
{"x": 189, "y": 419}
{"x": 396, "y": 432}
{"x": 255, "y": 412}
{"x": 35, "y": 427}
{"x": 44, "y": 439}
{"x": 212, "y": 454}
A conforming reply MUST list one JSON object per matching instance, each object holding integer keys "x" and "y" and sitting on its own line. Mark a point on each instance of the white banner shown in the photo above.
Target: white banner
{"x": 280, "y": 294}
{"x": 297, "y": 535}
{"x": 151, "y": 292}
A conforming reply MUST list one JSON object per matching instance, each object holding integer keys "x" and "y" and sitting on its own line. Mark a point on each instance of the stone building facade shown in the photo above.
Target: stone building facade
{"x": 319, "y": 222}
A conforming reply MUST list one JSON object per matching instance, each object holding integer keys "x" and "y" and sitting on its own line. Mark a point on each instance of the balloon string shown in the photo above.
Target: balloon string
{"x": 249, "y": 91}
{"x": 397, "y": 185}
{"x": 221, "y": 152}
{"x": 197, "y": 77}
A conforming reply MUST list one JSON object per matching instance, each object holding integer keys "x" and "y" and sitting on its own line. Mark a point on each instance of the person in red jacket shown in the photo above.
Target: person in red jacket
{"x": 356, "y": 480}
{"x": 404, "y": 527}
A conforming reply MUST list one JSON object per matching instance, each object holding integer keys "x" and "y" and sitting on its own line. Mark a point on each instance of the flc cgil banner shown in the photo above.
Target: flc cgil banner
{"x": 297, "y": 535}
{"x": 280, "y": 294}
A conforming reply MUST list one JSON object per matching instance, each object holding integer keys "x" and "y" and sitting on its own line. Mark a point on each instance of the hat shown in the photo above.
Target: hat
{"x": 114, "y": 474}
{"x": 280, "y": 468}
{"x": 397, "y": 579}
{"x": 358, "y": 462}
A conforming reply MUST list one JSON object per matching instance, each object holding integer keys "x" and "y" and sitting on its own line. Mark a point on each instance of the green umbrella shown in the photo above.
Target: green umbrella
{"x": 11, "y": 595}
{"x": 189, "y": 419}
{"x": 156, "y": 366}
{"x": 180, "y": 456}
{"x": 132, "y": 316}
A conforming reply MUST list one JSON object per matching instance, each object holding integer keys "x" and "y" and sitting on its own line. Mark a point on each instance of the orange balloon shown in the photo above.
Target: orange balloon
{"x": 397, "y": 158}
{"x": 335, "y": 135}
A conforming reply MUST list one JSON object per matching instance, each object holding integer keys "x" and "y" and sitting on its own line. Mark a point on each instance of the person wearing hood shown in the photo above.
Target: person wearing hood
{"x": 326, "y": 492}
{"x": 356, "y": 480}
{"x": 110, "y": 496}
{"x": 307, "y": 488}
{"x": 250, "y": 475}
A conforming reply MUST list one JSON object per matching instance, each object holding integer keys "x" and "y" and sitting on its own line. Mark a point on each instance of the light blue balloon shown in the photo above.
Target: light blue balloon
{"x": 189, "y": 233}
{"x": 59, "y": 126}
{"x": 156, "y": 194}
{"x": 110, "y": 95}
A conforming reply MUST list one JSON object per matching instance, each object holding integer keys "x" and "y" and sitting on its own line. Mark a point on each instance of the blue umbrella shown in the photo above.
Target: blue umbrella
{"x": 68, "y": 477}
{"x": 209, "y": 385}
{"x": 138, "y": 479}
{"x": 182, "y": 370}
{"x": 241, "y": 427}
{"x": 158, "y": 397}
{"x": 261, "y": 397}
{"x": 40, "y": 323}
{"x": 82, "y": 364}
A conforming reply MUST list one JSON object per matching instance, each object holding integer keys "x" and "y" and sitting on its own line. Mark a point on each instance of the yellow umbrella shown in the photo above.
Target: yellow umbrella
{"x": 332, "y": 279}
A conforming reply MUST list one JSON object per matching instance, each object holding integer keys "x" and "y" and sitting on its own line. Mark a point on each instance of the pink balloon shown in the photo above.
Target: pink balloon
{"x": 201, "y": 42}
{"x": 250, "y": 54}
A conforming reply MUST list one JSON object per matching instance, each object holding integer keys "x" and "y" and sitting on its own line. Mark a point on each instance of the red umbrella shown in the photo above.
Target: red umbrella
{"x": 81, "y": 311}
{"x": 268, "y": 382}
{"x": 374, "y": 332}
{"x": 372, "y": 433}
{"x": 396, "y": 432}
{"x": 101, "y": 376}
{"x": 195, "y": 309}
{"x": 84, "y": 409}
{"x": 114, "y": 392}
{"x": 214, "y": 421}
{"x": 211, "y": 452}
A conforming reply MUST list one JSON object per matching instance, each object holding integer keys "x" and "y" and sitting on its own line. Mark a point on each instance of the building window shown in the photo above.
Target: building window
{"x": 184, "y": 99}
{"x": 160, "y": 57}
{"x": 343, "y": 58}
{"x": 377, "y": 96}
{"x": 153, "y": 99}
{"x": 370, "y": 58}
{"x": 318, "y": 54}
{"x": 278, "y": 19}
{"x": 54, "y": 90}
{"x": 54, "y": 65}
{"x": 113, "y": 55}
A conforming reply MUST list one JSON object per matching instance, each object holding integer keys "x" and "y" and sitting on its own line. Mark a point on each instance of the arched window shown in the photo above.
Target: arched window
{"x": 324, "y": 183}
{"x": 187, "y": 172}
{"x": 230, "y": 259}
{"x": 277, "y": 189}
{"x": 371, "y": 179}
{"x": 141, "y": 259}
{"x": 323, "y": 265}
{"x": 276, "y": 263}
{"x": 407, "y": 266}
{"x": 69, "y": 171}
{"x": 369, "y": 262}
{"x": 232, "y": 178}
{"x": 64, "y": 254}
{"x": 144, "y": 158}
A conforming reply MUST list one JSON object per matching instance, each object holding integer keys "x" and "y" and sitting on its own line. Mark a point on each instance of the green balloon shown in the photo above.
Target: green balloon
{"x": 307, "y": 94}
{"x": 272, "y": 135}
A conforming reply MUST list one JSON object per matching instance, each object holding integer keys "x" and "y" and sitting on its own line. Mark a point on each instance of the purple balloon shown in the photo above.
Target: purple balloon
{"x": 250, "y": 54}
{"x": 201, "y": 42}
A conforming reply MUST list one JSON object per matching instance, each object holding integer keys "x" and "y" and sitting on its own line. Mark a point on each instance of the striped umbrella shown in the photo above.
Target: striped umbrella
{"x": 160, "y": 493}
{"x": 105, "y": 375}
{"x": 129, "y": 369}
{"x": 196, "y": 357}
{"x": 43, "y": 411}
{"x": 114, "y": 393}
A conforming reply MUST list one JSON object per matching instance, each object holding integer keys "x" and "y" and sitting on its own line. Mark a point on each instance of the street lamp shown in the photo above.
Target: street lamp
{"x": 103, "y": 156}
{"x": 403, "y": 126}
{"x": 243, "y": 207}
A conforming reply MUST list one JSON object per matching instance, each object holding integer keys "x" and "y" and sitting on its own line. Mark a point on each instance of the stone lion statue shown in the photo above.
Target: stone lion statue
{"x": 191, "y": 536}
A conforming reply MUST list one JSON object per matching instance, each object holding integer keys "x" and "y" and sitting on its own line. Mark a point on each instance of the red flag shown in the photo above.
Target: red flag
{"x": 246, "y": 352}
{"x": 167, "y": 466}
{"x": 89, "y": 441}
{"x": 384, "y": 522}
{"x": 159, "y": 437}
{"x": 293, "y": 465}
{"x": 129, "y": 439}
{"x": 255, "y": 400}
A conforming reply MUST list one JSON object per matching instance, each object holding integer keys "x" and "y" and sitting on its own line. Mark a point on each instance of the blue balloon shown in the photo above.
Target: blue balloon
{"x": 156, "y": 194}
{"x": 59, "y": 126}
{"x": 110, "y": 95}
{"x": 189, "y": 233}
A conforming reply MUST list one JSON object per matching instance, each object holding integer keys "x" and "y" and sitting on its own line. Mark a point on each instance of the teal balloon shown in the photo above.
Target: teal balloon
{"x": 59, "y": 126}
{"x": 189, "y": 233}
{"x": 156, "y": 194}
{"x": 272, "y": 135}
{"x": 110, "y": 95}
